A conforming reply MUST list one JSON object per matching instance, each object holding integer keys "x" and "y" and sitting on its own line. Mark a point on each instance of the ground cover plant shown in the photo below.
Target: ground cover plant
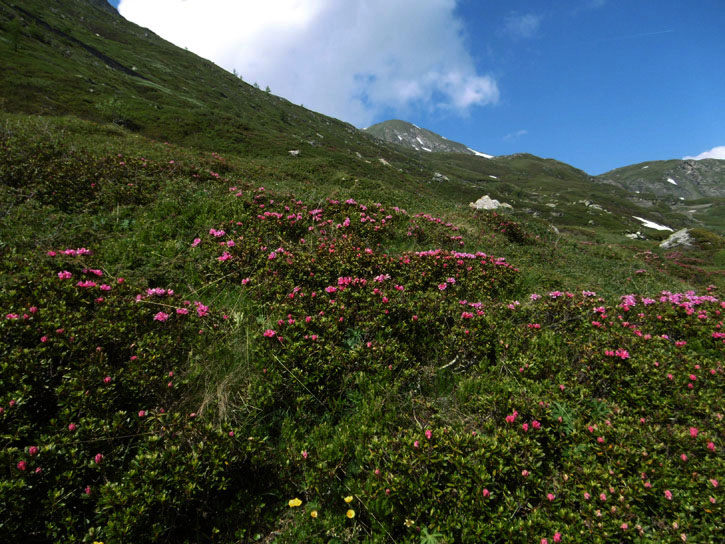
{"x": 194, "y": 351}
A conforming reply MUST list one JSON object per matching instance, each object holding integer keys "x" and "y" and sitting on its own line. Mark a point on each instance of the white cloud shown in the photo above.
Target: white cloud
{"x": 352, "y": 60}
{"x": 522, "y": 25}
{"x": 515, "y": 135}
{"x": 714, "y": 153}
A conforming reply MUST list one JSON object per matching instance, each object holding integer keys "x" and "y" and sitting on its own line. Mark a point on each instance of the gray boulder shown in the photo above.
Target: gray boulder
{"x": 681, "y": 238}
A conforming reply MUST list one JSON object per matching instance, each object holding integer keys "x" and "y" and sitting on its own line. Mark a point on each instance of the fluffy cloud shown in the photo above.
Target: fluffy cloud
{"x": 352, "y": 60}
{"x": 714, "y": 153}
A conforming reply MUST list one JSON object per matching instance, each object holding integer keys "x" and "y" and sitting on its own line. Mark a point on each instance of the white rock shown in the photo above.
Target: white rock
{"x": 294, "y": 152}
{"x": 487, "y": 203}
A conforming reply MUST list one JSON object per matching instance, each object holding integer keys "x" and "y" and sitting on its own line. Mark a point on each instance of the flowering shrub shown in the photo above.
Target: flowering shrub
{"x": 96, "y": 442}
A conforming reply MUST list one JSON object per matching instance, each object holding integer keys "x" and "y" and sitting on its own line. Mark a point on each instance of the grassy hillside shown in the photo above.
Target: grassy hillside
{"x": 82, "y": 58}
{"x": 204, "y": 338}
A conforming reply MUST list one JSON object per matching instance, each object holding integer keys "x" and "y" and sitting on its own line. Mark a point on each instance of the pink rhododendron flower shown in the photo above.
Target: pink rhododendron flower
{"x": 98, "y": 458}
{"x": 693, "y": 432}
{"x": 557, "y": 537}
{"x": 668, "y": 494}
{"x": 161, "y": 316}
{"x": 22, "y": 465}
{"x": 486, "y": 492}
{"x": 65, "y": 275}
{"x": 201, "y": 310}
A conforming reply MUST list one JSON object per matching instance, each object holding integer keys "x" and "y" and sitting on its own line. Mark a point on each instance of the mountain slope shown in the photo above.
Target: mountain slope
{"x": 420, "y": 139}
{"x": 686, "y": 179}
{"x": 81, "y": 58}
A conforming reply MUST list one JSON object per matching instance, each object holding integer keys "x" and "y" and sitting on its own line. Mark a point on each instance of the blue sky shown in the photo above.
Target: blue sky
{"x": 595, "y": 83}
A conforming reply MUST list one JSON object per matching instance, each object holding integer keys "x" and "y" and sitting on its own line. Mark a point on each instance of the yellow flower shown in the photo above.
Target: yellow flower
{"x": 294, "y": 502}
{"x": 348, "y": 499}
{"x": 350, "y": 513}
{"x": 409, "y": 523}
{"x": 313, "y": 514}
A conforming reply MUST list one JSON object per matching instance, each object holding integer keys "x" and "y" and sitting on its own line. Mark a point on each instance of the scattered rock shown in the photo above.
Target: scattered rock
{"x": 681, "y": 238}
{"x": 383, "y": 161}
{"x": 294, "y": 152}
{"x": 487, "y": 203}
{"x": 440, "y": 177}
{"x": 636, "y": 235}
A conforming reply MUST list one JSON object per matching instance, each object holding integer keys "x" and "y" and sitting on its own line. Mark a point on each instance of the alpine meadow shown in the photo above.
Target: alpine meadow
{"x": 225, "y": 318}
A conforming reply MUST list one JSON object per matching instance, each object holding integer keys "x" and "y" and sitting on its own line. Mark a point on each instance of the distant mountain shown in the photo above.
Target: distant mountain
{"x": 682, "y": 179}
{"x": 412, "y": 136}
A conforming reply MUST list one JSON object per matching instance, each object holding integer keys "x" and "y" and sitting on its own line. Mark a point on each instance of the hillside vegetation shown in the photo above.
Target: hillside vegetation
{"x": 229, "y": 343}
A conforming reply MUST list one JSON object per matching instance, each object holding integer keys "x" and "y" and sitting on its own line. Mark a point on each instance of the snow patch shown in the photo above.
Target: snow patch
{"x": 672, "y": 181}
{"x": 428, "y": 150}
{"x": 645, "y": 167}
{"x": 416, "y": 126}
{"x": 479, "y": 154}
{"x": 651, "y": 224}
{"x": 419, "y": 140}
{"x": 492, "y": 177}
{"x": 399, "y": 137}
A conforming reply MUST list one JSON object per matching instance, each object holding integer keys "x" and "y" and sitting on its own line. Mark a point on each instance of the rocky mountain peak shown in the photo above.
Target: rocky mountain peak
{"x": 420, "y": 139}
